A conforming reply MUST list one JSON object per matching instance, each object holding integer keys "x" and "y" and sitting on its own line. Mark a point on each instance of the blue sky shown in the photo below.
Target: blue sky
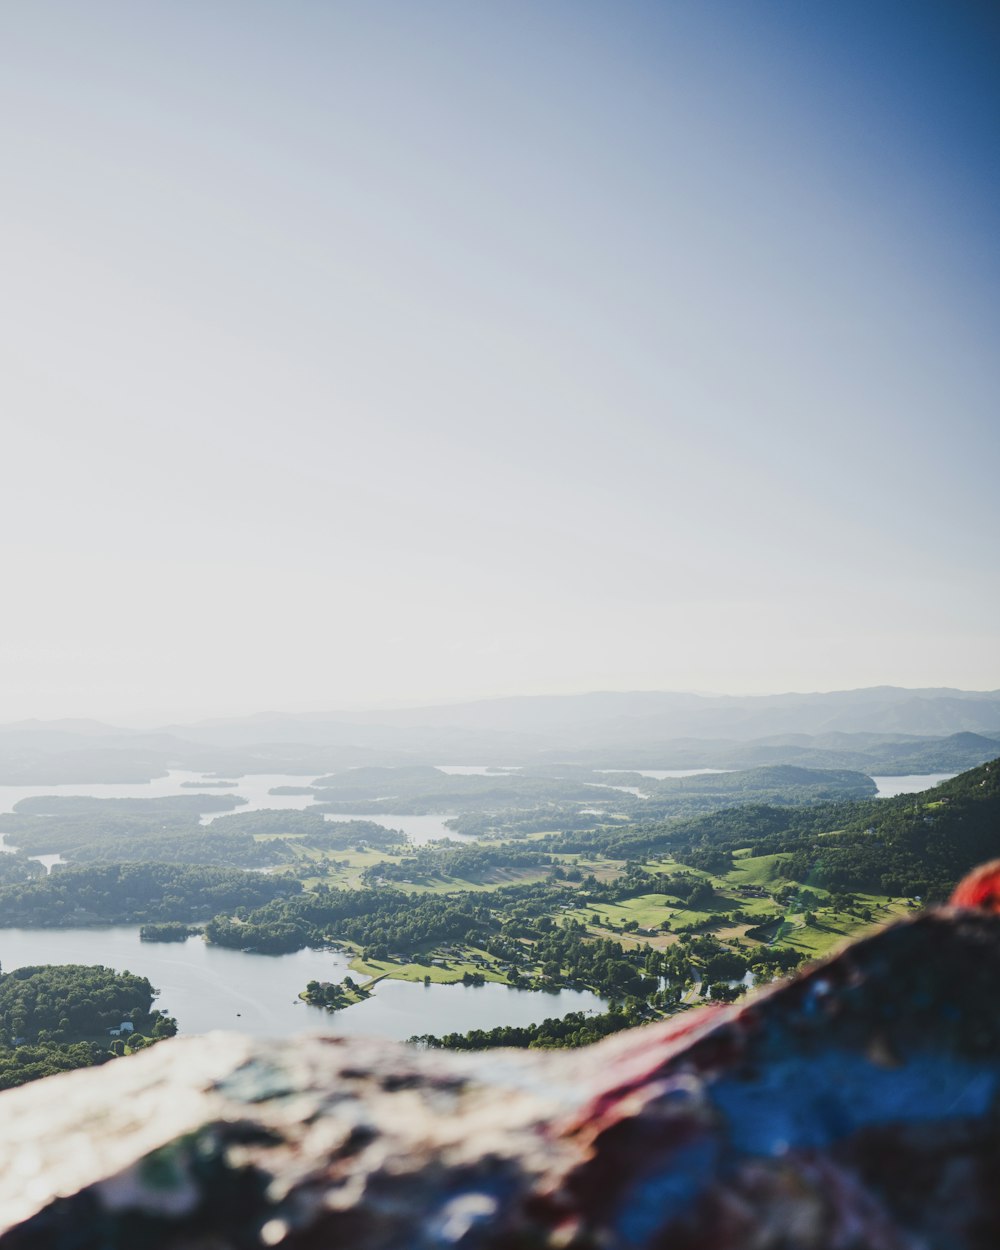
{"x": 377, "y": 352}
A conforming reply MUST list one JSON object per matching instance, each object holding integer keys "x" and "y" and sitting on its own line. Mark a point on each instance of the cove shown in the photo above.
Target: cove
{"x": 209, "y": 987}
{"x": 911, "y": 783}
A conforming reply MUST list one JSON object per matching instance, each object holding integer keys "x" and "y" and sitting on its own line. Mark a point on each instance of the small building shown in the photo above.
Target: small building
{"x": 127, "y": 1027}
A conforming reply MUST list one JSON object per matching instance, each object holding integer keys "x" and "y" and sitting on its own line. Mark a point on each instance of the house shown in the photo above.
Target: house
{"x": 115, "y": 1032}
{"x": 127, "y": 1026}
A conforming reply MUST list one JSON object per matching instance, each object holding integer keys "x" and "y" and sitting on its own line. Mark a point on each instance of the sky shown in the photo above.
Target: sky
{"x": 372, "y": 353}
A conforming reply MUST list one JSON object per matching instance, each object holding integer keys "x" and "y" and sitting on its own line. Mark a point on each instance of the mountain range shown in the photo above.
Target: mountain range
{"x": 876, "y": 729}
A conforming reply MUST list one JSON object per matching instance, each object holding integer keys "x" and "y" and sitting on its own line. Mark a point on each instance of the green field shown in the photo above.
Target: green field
{"x": 756, "y": 869}
{"x": 827, "y": 930}
{"x": 450, "y": 969}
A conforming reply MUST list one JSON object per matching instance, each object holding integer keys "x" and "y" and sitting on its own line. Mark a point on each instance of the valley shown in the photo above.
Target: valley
{"x": 692, "y": 890}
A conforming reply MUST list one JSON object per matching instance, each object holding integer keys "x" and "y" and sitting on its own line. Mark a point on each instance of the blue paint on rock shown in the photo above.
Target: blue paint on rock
{"x": 809, "y": 1103}
{"x": 666, "y": 1195}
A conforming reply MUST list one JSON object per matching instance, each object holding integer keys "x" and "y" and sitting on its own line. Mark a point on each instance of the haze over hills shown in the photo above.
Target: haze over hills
{"x": 644, "y": 716}
{"x": 882, "y": 729}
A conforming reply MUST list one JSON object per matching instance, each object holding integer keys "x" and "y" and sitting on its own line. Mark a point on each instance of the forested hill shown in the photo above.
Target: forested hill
{"x": 916, "y": 845}
{"x": 792, "y": 782}
{"x": 974, "y": 785}
{"x": 136, "y": 893}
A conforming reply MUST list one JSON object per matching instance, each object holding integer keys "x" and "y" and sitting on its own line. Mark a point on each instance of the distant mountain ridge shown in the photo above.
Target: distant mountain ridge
{"x": 646, "y": 716}
{"x": 882, "y": 729}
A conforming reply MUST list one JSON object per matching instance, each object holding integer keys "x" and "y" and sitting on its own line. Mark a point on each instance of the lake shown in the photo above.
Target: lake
{"x": 161, "y": 787}
{"x": 419, "y": 829}
{"x": 254, "y": 787}
{"x": 603, "y": 785}
{"x": 209, "y": 987}
{"x": 911, "y": 783}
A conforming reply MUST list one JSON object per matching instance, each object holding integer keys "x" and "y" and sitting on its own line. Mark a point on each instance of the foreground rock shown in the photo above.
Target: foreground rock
{"x": 855, "y": 1107}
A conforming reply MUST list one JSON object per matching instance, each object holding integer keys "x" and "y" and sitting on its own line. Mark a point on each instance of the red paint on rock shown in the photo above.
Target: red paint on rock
{"x": 981, "y": 888}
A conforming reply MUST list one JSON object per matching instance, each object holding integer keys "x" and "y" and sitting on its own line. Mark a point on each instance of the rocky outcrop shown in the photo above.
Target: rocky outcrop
{"x": 854, "y": 1107}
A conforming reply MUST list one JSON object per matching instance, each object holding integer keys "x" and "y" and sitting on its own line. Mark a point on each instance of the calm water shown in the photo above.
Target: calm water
{"x": 255, "y": 788}
{"x": 161, "y": 787}
{"x": 208, "y": 987}
{"x": 399, "y": 1009}
{"x": 252, "y": 788}
{"x": 419, "y": 829}
{"x": 477, "y": 770}
{"x": 912, "y": 783}
{"x": 48, "y": 862}
{"x": 603, "y": 785}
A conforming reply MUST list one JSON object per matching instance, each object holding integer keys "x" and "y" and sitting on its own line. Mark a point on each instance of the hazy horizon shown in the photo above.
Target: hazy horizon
{"x": 388, "y": 354}
{"x": 152, "y": 719}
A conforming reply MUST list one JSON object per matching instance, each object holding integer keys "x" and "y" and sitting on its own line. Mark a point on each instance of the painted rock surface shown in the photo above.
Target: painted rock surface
{"x": 853, "y": 1108}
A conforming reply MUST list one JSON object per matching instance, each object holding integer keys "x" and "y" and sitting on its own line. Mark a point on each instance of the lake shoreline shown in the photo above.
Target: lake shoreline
{"x": 207, "y": 987}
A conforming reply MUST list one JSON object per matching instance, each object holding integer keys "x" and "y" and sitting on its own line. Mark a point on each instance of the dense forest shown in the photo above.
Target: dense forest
{"x": 914, "y": 845}
{"x": 910, "y": 846}
{"x": 573, "y": 1029}
{"x": 312, "y": 828}
{"x": 167, "y": 931}
{"x": 164, "y": 830}
{"x": 133, "y": 893}
{"x": 164, "y": 811}
{"x": 376, "y": 919}
{"x": 57, "y": 1017}
{"x": 17, "y": 869}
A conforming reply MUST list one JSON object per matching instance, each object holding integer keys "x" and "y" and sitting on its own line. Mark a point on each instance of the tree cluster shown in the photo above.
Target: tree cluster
{"x": 135, "y": 893}
{"x": 55, "y": 1017}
